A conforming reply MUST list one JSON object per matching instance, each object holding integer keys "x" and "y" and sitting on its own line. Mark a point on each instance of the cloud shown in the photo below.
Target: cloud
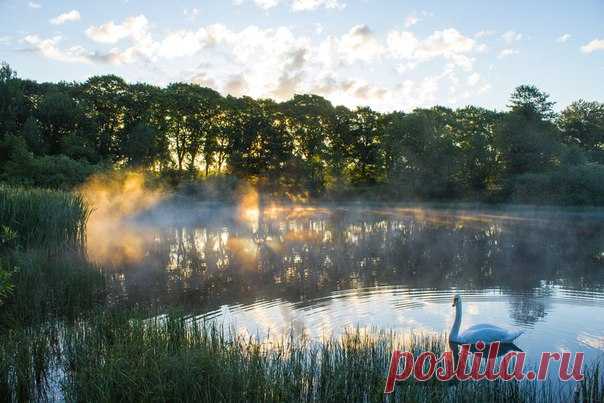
{"x": 297, "y": 5}
{"x": 192, "y": 14}
{"x": 280, "y": 62}
{"x": 307, "y": 5}
{"x": 110, "y": 32}
{"x": 563, "y": 38}
{"x": 266, "y": 4}
{"x": 236, "y": 85}
{"x": 31, "y": 4}
{"x": 73, "y": 15}
{"x": 359, "y": 44}
{"x": 511, "y": 36}
{"x": 411, "y": 20}
{"x": 596, "y": 44}
{"x": 484, "y": 33}
{"x": 473, "y": 79}
{"x": 449, "y": 44}
{"x": 507, "y": 52}
{"x": 49, "y": 49}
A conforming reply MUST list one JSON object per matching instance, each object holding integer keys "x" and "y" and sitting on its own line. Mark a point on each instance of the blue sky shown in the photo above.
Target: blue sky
{"x": 390, "y": 55}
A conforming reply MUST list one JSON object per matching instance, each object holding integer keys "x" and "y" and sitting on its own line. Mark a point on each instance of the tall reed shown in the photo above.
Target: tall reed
{"x": 49, "y": 287}
{"x": 119, "y": 356}
{"x": 43, "y": 218}
{"x": 114, "y": 357}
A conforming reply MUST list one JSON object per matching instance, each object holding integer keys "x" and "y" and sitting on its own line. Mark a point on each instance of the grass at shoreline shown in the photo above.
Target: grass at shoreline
{"x": 124, "y": 357}
{"x": 45, "y": 287}
{"x": 42, "y": 218}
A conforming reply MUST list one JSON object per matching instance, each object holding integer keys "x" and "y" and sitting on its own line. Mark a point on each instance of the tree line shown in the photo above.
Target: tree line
{"x": 58, "y": 134}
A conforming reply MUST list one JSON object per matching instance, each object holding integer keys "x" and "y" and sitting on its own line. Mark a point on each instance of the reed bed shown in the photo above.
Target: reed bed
{"x": 47, "y": 287}
{"x": 42, "y": 218}
{"x": 124, "y": 357}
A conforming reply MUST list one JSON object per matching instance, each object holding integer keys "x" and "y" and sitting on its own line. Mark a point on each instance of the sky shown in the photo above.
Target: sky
{"x": 389, "y": 55}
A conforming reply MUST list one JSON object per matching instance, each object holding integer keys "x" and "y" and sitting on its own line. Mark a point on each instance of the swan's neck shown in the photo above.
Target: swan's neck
{"x": 457, "y": 323}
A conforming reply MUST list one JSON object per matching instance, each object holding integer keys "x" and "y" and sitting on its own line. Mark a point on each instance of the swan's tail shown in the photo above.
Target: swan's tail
{"x": 514, "y": 334}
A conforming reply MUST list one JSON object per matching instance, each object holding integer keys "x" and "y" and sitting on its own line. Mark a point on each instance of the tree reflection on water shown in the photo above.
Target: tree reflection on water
{"x": 303, "y": 253}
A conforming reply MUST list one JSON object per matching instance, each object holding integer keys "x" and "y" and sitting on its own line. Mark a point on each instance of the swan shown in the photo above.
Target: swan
{"x": 484, "y": 332}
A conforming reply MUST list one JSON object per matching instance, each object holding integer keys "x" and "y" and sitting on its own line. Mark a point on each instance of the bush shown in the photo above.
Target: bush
{"x": 567, "y": 185}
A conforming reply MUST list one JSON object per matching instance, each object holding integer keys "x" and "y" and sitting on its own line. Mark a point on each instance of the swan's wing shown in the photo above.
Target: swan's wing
{"x": 481, "y": 326}
{"x": 488, "y": 334}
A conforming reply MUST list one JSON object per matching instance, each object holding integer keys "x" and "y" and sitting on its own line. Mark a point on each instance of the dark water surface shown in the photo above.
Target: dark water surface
{"x": 320, "y": 271}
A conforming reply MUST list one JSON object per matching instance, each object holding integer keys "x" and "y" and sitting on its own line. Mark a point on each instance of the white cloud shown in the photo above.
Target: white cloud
{"x": 449, "y": 44}
{"x": 32, "y": 4}
{"x": 306, "y": 5}
{"x": 402, "y": 45}
{"x": 296, "y": 5}
{"x": 266, "y": 4}
{"x": 445, "y": 43}
{"x": 507, "y": 52}
{"x": 411, "y": 20}
{"x": 563, "y": 38}
{"x": 110, "y": 32}
{"x": 48, "y": 48}
{"x": 484, "y": 33}
{"x": 596, "y": 44}
{"x": 279, "y": 62}
{"x": 192, "y": 13}
{"x": 473, "y": 79}
{"x": 511, "y": 36}
{"x": 359, "y": 44}
{"x": 73, "y": 15}
{"x": 481, "y": 48}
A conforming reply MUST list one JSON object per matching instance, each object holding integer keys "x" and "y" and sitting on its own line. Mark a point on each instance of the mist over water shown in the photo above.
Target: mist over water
{"x": 317, "y": 271}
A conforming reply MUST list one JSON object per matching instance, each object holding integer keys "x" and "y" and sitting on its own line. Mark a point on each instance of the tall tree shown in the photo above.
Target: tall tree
{"x": 582, "y": 123}
{"x": 104, "y": 98}
{"x": 530, "y": 100}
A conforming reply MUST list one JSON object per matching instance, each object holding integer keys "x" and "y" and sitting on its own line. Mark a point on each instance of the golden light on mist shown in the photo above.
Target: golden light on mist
{"x": 248, "y": 209}
{"x": 115, "y": 197}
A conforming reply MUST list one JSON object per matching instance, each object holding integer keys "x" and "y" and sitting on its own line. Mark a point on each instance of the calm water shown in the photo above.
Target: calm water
{"x": 319, "y": 271}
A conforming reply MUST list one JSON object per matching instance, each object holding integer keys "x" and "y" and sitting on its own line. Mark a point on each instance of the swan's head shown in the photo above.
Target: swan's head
{"x": 456, "y": 300}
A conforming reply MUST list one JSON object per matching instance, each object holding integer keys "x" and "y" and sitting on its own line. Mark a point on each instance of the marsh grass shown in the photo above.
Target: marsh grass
{"x": 41, "y": 218}
{"x": 44, "y": 287}
{"x": 118, "y": 356}
{"x": 26, "y": 357}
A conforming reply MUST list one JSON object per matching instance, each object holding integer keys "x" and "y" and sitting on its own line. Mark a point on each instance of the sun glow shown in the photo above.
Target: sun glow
{"x": 114, "y": 198}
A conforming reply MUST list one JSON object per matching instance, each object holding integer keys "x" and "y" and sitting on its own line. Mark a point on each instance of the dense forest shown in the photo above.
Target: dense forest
{"x": 56, "y": 135}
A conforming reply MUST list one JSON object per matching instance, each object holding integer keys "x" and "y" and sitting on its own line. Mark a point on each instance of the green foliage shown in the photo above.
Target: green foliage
{"x": 570, "y": 185}
{"x": 6, "y": 285}
{"x": 44, "y": 287}
{"x": 43, "y": 218}
{"x": 57, "y": 135}
{"x": 118, "y": 357}
{"x": 140, "y": 146}
{"x": 530, "y": 100}
{"x": 582, "y": 124}
{"x": 22, "y": 167}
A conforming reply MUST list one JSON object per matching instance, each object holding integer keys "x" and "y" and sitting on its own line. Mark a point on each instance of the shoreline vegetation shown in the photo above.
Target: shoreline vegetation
{"x": 128, "y": 356}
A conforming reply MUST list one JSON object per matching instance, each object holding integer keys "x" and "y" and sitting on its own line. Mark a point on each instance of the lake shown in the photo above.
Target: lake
{"x": 317, "y": 271}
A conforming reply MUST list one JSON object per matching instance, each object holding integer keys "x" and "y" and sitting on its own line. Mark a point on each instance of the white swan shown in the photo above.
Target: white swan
{"x": 484, "y": 332}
